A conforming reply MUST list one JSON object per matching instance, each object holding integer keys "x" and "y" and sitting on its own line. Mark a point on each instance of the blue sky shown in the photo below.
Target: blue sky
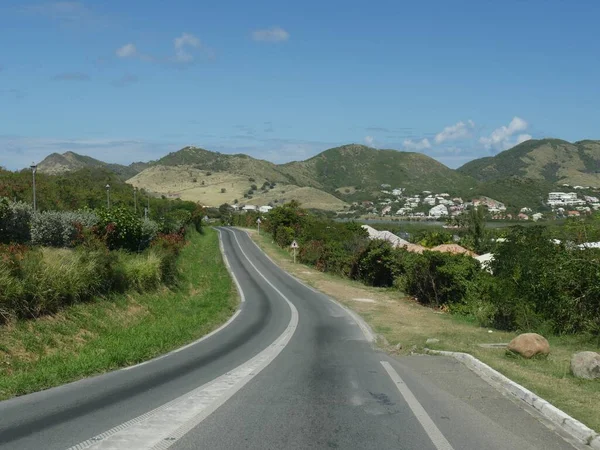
{"x": 131, "y": 80}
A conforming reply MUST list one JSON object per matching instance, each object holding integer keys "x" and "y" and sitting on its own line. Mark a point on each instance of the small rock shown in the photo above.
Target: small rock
{"x": 586, "y": 365}
{"x": 398, "y": 346}
{"x": 529, "y": 344}
{"x": 432, "y": 341}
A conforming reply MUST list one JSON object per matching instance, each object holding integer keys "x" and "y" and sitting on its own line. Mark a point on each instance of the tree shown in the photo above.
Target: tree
{"x": 223, "y": 190}
{"x": 253, "y": 187}
{"x": 475, "y": 225}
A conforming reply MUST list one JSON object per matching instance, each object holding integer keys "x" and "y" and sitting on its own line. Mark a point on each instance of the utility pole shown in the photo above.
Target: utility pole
{"x": 33, "y": 171}
{"x": 108, "y": 196}
{"x": 258, "y": 222}
{"x": 135, "y": 200}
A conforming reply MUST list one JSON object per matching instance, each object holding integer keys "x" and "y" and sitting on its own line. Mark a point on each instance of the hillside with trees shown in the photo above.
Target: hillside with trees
{"x": 547, "y": 160}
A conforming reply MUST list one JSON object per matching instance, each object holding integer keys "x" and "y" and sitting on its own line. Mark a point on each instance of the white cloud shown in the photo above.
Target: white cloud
{"x": 501, "y": 138}
{"x": 182, "y": 44}
{"x": 454, "y": 132}
{"x": 423, "y": 144}
{"x": 273, "y": 34}
{"x": 127, "y": 51}
{"x": 369, "y": 140}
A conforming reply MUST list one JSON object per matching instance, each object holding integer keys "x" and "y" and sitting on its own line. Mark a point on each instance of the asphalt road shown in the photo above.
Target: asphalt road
{"x": 292, "y": 370}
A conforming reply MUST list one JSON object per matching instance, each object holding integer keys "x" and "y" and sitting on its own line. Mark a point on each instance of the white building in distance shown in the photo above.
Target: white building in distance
{"x": 438, "y": 211}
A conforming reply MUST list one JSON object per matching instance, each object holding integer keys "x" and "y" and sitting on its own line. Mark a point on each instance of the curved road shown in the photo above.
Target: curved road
{"x": 292, "y": 369}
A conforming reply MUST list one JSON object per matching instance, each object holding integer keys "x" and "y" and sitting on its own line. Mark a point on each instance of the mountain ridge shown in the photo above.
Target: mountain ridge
{"x": 551, "y": 160}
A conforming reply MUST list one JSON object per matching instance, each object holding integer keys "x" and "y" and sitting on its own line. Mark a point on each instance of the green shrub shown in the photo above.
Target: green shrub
{"x": 284, "y": 236}
{"x": 437, "y": 279}
{"x": 14, "y": 221}
{"x": 60, "y": 228}
{"x": 120, "y": 228}
{"x": 379, "y": 264}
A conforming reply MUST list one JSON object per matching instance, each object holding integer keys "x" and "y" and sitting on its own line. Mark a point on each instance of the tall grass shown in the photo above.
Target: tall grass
{"x": 102, "y": 334}
{"x": 37, "y": 281}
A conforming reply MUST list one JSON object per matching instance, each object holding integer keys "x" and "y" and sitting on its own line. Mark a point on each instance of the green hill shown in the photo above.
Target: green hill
{"x": 369, "y": 168}
{"x": 219, "y": 162}
{"x": 545, "y": 160}
{"x": 56, "y": 163}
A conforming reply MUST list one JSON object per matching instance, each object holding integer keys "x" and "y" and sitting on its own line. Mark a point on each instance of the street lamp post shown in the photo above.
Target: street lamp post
{"x": 33, "y": 171}
{"x": 108, "y": 196}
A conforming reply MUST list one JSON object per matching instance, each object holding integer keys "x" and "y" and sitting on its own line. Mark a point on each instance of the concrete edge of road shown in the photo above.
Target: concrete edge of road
{"x": 571, "y": 426}
{"x": 364, "y": 326}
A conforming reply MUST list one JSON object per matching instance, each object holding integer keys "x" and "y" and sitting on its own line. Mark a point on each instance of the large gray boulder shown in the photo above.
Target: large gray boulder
{"x": 586, "y": 365}
{"x": 529, "y": 345}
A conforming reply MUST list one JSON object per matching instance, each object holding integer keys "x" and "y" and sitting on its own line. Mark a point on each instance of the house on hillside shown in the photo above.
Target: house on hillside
{"x": 367, "y": 204}
{"x": 523, "y": 216}
{"x": 525, "y": 210}
{"x": 247, "y": 208}
{"x": 429, "y": 200}
{"x": 537, "y": 216}
{"x": 265, "y": 209}
{"x": 438, "y": 211}
{"x": 573, "y": 213}
{"x": 386, "y": 210}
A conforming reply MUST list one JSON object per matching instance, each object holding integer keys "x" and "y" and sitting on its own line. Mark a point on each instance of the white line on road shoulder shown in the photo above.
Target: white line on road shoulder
{"x": 177, "y": 417}
{"x": 428, "y": 425}
{"x": 215, "y": 331}
{"x": 364, "y": 327}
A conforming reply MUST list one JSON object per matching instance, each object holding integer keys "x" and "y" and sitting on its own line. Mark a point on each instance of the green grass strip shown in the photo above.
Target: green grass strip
{"x": 110, "y": 333}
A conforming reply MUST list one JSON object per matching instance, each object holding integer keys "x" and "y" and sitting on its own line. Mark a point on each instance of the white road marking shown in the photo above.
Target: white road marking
{"x": 161, "y": 427}
{"x": 235, "y": 280}
{"x": 366, "y": 330}
{"x": 428, "y": 425}
{"x": 206, "y": 336}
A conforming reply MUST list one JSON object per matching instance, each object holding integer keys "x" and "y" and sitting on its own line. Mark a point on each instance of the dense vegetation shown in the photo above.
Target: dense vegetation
{"x": 49, "y": 259}
{"x": 85, "y": 188}
{"x": 368, "y": 168}
{"x": 532, "y": 284}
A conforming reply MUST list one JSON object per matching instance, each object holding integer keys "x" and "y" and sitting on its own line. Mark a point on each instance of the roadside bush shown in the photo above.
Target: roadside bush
{"x": 15, "y": 218}
{"x": 284, "y": 236}
{"x": 437, "y": 279}
{"x": 539, "y": 285}
{"x": 379, "y": 264}
{"x": 167, "y": 247}
{"x": 60, "y": 228}
{"x": 149, "y": 232}
{"x": 120, "y": 228}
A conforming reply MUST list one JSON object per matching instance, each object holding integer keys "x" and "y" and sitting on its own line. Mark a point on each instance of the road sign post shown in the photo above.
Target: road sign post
{"x": 258, "y": 222}
{"x": 294, "y": 247}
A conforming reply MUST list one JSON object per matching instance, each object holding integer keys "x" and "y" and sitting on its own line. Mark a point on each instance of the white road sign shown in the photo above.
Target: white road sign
{"x": 294, "y": 245}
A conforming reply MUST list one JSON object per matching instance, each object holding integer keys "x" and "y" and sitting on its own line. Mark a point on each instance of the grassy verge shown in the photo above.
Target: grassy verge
{"x": 105, "y": 334}
{"x": 400, "y": 320}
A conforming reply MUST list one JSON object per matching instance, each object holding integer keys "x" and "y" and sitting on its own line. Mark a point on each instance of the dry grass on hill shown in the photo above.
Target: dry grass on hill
{"x": 190, "y": 183}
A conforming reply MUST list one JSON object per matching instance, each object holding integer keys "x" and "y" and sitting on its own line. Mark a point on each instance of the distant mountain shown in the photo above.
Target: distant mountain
{"x": 56, "y": 163}
{"x": 369, "y": 168}
{"x": 545, "y": 160}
